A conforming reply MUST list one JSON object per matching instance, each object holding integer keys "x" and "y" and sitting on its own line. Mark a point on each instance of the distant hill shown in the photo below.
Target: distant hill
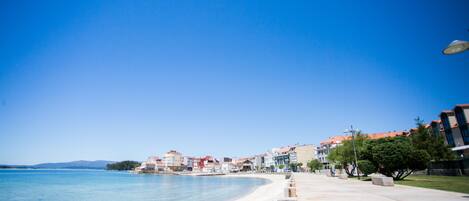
{"x": 99, "y": 164}
{"x": 3, "y": 166}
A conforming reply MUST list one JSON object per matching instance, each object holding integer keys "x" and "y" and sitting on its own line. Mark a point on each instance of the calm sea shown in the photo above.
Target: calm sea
{"x": 100, "y": 185}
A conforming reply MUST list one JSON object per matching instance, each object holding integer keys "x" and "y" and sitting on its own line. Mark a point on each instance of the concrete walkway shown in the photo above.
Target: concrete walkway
{"x": 319, "y": 187}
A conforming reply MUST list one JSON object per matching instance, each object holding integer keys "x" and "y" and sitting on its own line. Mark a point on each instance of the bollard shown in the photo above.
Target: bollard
{"x": 287, "y": 199}
{"x": 290, "y": 192}
{"x": 286, "y": 192}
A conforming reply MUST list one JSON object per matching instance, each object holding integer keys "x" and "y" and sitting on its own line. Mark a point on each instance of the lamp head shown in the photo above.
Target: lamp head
{"x": 456, "y": 46}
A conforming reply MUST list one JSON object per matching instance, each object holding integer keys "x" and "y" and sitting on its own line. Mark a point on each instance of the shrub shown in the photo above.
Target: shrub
{"x": 314, "y": 165}
{"x": 367, "y": 167}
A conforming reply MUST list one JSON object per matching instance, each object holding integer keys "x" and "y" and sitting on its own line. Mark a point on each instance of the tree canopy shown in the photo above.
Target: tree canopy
{"x": 123, "y": 165}
{"x": 344, "y": 155}
{"x": 314, "y": 165}
{"x": 396, "y": 157}
{"x": 367, "y": 167}
{"x": 281, "y": 166}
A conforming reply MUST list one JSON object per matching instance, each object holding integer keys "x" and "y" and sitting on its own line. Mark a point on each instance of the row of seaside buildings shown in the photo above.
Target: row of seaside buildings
{"x": 452, "y": 126}
{"x": 274, "y": 160}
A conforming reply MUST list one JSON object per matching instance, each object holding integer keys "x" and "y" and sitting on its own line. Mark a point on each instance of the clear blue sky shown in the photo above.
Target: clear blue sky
{"x": 122, "y": 80}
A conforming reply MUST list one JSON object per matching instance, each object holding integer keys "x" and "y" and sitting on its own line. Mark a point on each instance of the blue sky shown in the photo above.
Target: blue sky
{"x": 122, "y": 80}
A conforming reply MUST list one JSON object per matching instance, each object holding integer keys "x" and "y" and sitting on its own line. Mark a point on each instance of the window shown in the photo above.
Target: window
{"x": 460, "y": 116}
{"x": 445, "y": 121}
{"x": 465, "y": 134}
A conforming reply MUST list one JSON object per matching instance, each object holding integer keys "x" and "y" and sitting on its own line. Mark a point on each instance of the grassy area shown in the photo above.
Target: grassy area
{"x": 447, "y": 183}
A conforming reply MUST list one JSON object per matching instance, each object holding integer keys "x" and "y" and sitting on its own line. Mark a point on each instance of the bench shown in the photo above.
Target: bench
{"x": 382, "y": 181}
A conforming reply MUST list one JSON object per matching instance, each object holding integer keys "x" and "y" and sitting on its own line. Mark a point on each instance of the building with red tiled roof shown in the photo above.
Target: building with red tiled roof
{"x": 335, "y": 140}
{"x": 466, "y": 106}
{"x": 374, "y": 136}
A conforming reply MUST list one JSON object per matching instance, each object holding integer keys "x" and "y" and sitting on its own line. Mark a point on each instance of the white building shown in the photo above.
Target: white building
{"x": 188, "y": 163}
{"x": 326, "y": 146}
{"x": 259, "y": 162}
{"x": 173, "y": 160}
{"x": 269, "y": 161}
{"x": 227, "y": 167}
{"x": 152, "y": 164}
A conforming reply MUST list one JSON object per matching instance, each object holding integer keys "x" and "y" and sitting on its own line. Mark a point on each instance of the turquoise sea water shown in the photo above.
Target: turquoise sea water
{"x": 100, "y": 185}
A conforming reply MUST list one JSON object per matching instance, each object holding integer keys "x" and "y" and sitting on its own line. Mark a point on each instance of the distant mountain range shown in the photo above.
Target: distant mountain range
{"x": 82, "y": 164}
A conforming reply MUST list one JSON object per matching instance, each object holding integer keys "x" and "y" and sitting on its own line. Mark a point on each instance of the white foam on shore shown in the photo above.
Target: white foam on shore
{"x": 268, "y": 192}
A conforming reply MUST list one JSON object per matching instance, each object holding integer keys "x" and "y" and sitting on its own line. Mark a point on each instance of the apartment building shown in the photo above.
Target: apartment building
{"x": 462, "y": 117}
{"x": 453, "y": 127}
{"x": 461, "y": 113}
{"x": 227, "y": 167}
{"x": 281, "y": 156}
{"x": 152, "y": 165}
{"x": 269, "y": 162}
{"x": 303, "y": 154}
{"x": 187, "y": 163}
{"x": 450, "y": 128}
{"x": 325, "y": 148}
{"x": 173, "y": 160}
{"x": 259, "y": 162}
{"x": 291, "y": 154}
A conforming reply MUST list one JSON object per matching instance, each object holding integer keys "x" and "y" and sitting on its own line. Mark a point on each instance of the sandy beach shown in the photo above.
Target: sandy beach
{"x": 269, "y": 192}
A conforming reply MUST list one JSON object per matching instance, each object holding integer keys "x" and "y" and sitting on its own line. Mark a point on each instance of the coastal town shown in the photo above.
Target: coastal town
{"x": 234, "y": 100}
{"x": 452, "y": 126}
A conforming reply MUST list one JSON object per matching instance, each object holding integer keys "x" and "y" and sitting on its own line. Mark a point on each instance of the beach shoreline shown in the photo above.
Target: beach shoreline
{"x": 267, "y": 192}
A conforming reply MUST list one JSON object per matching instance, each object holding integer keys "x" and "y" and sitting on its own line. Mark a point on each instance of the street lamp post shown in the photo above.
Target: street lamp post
{"x": 353, "y": 131}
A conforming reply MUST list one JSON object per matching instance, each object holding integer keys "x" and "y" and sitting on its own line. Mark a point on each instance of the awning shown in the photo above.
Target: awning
{"x": 460, "y": 148}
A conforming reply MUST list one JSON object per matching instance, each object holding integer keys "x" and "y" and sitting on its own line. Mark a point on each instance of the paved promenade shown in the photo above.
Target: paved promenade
{"x": 319, "y": 187}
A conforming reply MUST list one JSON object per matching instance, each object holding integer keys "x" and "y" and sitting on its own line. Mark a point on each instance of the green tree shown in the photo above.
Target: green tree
{"x": 281, "y": 166}
{"x": 367, "y": 167}
{"x": 300, "y": 164}
{"x": 293, "y": 167}
{"x": 398, "y": 158}
{"x": 314, "y": 165}
{"x": 344, "y": 155}
{"x": 123, "y": 165}
{"x": 434, "y": 145}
